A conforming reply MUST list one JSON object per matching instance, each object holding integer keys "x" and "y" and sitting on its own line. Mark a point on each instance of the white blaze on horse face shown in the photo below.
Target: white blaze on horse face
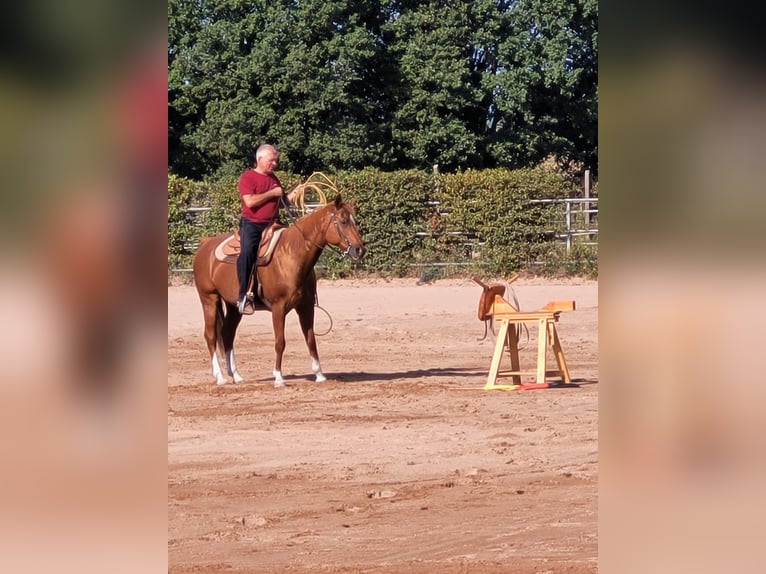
{"x": 220, "y": 379}
{"x": 317, "y": 370}
{"x": 232, "y": 367}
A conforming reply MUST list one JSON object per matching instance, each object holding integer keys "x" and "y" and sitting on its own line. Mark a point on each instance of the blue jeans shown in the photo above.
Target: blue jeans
{"x": 250, "y": 237}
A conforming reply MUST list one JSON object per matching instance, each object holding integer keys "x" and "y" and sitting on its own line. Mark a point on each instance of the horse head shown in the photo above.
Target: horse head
{"x": 342, "y": 230}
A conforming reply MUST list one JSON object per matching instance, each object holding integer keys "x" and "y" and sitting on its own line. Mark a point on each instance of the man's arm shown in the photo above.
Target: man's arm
{"x": 255, "y": 199}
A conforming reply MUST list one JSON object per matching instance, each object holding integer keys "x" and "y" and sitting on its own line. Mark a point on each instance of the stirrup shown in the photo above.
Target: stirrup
{"x": 245, "y": 305}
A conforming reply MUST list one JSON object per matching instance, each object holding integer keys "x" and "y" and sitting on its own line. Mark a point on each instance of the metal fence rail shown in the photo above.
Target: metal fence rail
{"x": 580, "y": 219}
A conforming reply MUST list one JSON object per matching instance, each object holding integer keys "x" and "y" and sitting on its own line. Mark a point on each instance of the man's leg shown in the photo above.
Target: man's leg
{"x": 254, "y": 270}
{"x": 249, "y": 237}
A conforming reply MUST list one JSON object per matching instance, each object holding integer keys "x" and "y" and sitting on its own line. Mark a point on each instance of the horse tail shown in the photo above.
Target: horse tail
{"x": 219, "y": 328}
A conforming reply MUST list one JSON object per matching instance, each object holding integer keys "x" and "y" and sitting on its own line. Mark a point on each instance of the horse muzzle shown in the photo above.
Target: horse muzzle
{"x": 354, "y": 253}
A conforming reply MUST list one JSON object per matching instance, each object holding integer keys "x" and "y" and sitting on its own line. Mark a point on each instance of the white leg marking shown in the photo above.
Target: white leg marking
{"x": 279, "y": 381}
{"x": 231, "y": 365}
{"x": 220, "y": 379}
{"x": 317, "y": 369}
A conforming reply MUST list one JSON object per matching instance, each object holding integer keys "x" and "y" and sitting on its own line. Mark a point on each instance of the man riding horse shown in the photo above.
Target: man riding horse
{"x": 287, "y": 282}
{"x": 260, "y": 193}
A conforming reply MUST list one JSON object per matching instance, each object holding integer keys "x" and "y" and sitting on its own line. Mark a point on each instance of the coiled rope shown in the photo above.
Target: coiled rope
{"x": 319, "y": 184}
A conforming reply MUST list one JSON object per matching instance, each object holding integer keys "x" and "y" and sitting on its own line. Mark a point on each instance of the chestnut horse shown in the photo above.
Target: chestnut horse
{"x": 288, "y": 282}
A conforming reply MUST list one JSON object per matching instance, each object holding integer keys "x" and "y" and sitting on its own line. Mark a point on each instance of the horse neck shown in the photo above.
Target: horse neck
{"x": 313, "y": 230}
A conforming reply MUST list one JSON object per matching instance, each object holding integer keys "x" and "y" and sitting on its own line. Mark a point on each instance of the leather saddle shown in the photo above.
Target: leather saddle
{"x": 487, "y": 298}
{"x": 228, "y": 250}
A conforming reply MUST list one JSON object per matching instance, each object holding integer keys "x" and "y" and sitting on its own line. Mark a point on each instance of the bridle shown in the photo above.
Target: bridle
{"x": 341, "y": 234}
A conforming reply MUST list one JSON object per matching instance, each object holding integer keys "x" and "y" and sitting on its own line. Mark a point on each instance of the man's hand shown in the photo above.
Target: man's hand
{"x": 296, "y": 190}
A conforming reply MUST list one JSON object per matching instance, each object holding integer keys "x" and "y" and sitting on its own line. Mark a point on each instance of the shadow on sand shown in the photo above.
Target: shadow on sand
{"x": 437, "y": 373}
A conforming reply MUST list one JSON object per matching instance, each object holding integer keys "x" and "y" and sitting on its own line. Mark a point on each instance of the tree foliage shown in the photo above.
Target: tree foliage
{"x": 390, "y": 84}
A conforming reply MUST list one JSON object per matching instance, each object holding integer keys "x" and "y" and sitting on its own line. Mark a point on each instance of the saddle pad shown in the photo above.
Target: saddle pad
{"x": 227, "y": 252}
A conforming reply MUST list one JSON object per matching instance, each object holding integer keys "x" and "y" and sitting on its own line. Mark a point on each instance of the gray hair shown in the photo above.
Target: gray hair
{"x": 263, "y": 149}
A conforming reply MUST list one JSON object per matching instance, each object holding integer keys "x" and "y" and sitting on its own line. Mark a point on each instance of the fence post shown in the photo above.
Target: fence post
{"x": 586, "y": 184}
{"x": 569, "y": 225}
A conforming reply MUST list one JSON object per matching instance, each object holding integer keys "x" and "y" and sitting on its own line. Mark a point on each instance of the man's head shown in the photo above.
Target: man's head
{"x": 266, "y": 159}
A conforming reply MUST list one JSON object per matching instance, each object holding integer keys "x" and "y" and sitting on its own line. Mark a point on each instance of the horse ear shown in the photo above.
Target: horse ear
{"x": 338, "y": 201}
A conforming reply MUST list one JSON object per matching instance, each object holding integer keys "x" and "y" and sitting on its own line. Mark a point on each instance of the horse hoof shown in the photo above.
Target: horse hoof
{"x": 220, "y": 382}
{"x": 320, "y": 378}
{"x": 279, "y": 384}
{"x": 239, "y": 380}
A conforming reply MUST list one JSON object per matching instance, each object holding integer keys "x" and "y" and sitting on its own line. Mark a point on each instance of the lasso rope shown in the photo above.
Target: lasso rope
{"x": 489, "y": 323}
{"x": 320, "y": 184}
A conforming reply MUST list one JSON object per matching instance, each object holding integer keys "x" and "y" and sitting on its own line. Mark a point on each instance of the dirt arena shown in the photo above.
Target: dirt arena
{"x": 400, "y": 463}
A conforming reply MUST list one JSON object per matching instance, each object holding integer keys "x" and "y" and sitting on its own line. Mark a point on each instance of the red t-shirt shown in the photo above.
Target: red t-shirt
{"x": 252, "y": 182}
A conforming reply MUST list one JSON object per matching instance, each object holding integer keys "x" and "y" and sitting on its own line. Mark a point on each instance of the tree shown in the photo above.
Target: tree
{"x": 545, "y": 90}
{"x": 304, "y": 74}
{"x": 382, "y": 83}
{"x": 438, "y": 113}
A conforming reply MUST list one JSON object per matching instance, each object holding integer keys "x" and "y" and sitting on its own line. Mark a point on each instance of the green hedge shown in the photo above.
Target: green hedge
{"x": 493, "y": 206}
{"x": 414, "y": 222}
{"x": 183, "y": 233}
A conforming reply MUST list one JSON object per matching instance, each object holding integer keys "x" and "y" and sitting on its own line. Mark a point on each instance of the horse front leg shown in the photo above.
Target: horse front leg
{"x": 306, "y": 318}
{"x": 278, "y": 321}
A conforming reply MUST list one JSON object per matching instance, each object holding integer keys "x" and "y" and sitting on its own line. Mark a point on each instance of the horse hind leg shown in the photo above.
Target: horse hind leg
{"x": 228, "y": 330}
{"x": 212, "y": 314}
{"x": 306, "y": 318}
{"x": 278, "y": 323}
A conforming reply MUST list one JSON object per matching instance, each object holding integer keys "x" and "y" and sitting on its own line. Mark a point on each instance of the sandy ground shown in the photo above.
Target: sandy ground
{"x": 400, "y": 462}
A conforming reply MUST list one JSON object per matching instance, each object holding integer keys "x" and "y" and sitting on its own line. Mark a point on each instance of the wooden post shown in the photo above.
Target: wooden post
{"x": 558, "y": 352}
{"x": 542, "y": 330}
{"x": 494, "y": 367}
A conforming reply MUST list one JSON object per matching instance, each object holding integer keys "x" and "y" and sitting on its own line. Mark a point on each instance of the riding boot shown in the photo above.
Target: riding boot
{"x": 252, "y": 291}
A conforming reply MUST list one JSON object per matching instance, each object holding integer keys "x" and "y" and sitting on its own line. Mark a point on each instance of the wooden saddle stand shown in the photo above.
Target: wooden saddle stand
{"x": 493, "y": 307}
